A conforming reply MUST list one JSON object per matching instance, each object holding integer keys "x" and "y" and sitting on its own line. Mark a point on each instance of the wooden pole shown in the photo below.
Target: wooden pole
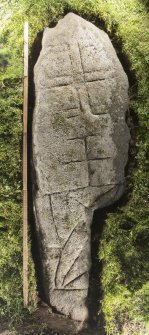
{"x": 25, "y": 196}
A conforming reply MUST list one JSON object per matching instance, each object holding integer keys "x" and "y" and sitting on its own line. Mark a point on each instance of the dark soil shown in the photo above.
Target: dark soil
{"x": 44, "y": 322}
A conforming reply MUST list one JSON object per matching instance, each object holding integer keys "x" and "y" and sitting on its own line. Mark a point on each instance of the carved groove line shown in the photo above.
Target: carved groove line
{"x": 53, "y": 218}
{"x": 62, "y": 252}
{"x": 78, "y": 277}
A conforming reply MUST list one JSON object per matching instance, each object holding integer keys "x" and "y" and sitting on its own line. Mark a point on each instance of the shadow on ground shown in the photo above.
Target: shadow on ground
{"x": 44, "y": 322}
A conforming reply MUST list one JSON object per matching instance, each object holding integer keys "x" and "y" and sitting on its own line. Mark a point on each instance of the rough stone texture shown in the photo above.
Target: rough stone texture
{"x": 80, "y": 149}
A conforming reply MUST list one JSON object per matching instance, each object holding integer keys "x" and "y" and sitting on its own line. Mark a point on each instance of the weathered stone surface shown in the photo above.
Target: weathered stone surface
{"x": 80, "y": 149}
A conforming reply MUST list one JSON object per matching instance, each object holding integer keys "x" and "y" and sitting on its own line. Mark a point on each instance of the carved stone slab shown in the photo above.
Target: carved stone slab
{"x": 80, "y": 149}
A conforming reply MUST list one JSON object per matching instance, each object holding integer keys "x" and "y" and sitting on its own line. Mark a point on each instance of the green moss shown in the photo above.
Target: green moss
{"x": 59, "y": 122}
{"x": 124, "y": 245}
{"x": 67, "y": 223}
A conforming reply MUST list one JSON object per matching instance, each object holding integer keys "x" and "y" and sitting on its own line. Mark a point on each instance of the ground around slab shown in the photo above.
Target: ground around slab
{"x": 44, "y": 322}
